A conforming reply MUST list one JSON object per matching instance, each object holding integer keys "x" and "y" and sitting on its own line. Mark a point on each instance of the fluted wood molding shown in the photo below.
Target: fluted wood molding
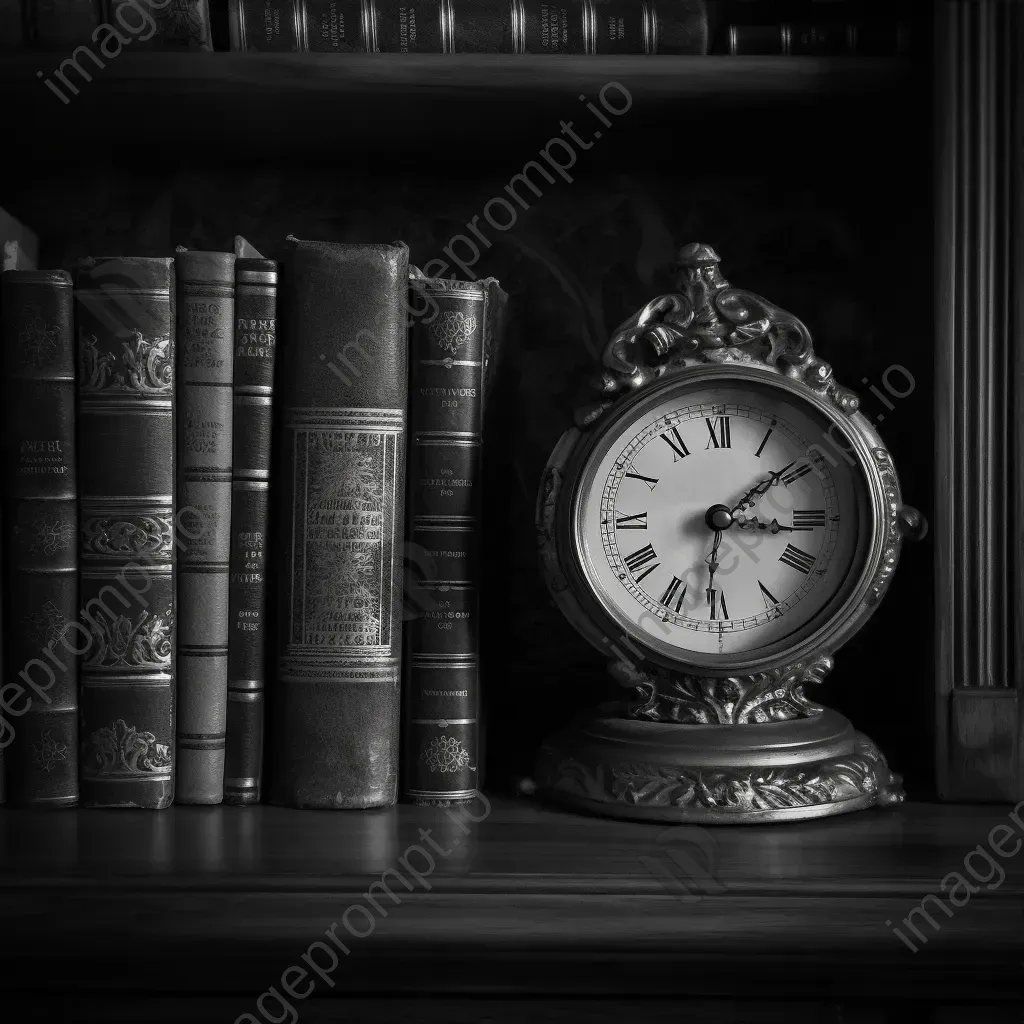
{"x": 979, "y": 487}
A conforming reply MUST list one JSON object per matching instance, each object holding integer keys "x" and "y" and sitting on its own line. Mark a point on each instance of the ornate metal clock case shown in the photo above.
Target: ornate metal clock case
{"x": 719, "y": 522}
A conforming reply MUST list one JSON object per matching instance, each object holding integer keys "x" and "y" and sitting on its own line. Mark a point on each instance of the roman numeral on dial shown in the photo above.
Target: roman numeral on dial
{"x": 717, "y": 601}
{"x": 673, "y": 593}
{"x": 764, "y": 440}
{"x": 718, "y": 428}
{"x": 795, "y": 474}
{"x": 640, "y": 558}
{"x": 676, "y": 443}
{"x": 637, "y": 522}
{"x": 649, "y": 480}
{"x": 797, "y": 559}
{"x": 804, "y": 519}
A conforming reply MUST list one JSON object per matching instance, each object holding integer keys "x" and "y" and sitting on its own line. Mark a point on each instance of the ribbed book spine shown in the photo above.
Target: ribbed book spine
{"x": 341, "y": 475}
{"x": 39, "y": 711}
{"x": 124, "y": 311}
{"x": 255, "y": 347}
{"x": 206, "y": 321}
{"x": 450, "y": 347}
{"x": 470, "y": 26}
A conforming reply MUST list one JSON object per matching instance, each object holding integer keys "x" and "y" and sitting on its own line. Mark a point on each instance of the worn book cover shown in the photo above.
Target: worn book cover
{"x": 124, "y": 312}
{"x": 341, "y": 480}
{"x": 255, "y": 341}
{"x": 451, "y": 342}
{"x": 205, "y": 315}
{"x": 42, "y": 641}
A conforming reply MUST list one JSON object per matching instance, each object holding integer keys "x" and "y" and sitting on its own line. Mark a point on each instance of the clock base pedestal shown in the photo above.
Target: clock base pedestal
{"x": 715, "y": 774}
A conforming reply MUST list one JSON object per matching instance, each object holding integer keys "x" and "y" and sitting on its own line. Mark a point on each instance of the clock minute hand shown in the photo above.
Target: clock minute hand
{"x": 760, "y": 487}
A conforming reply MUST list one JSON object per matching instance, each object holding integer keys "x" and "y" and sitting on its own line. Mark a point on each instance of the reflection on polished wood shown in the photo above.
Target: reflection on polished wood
{"x": 528, "y": 900}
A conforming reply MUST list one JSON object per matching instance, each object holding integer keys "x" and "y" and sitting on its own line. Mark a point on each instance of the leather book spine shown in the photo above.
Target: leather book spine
{"x": 475, "y": 26}
{"x": 39, "y": 704}
{"x": 124, "y": 312}
{"x": 255, "y": 347}
{"x": 343, "y": 391}
{"x": 205, "y": 347}
{"x": 267, "y": 26}
{"x": 450, "y": 349}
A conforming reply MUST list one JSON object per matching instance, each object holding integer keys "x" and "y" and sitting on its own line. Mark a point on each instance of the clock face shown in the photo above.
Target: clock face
{"x": 724, "y": 521}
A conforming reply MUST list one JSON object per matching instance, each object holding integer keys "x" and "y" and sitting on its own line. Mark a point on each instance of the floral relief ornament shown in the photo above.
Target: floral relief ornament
{"x": 445, "y": 754}
{"x": 147, "y": 366}
{"x": 452, "y": 329}
{"x": 37, "y": 340}
{"x": 51, "y": 534}
{"x": 138, "y": 535}
{"x": 121, "y": 749}
{"x": 45, "y": 626}
{"x": 118, "y": 641}
{"x": 48, "y": 753}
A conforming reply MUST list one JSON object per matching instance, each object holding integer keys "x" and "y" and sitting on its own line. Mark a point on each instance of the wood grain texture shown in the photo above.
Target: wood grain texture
{"x": 979, "y": 450}
{"x": 531, "y": 902}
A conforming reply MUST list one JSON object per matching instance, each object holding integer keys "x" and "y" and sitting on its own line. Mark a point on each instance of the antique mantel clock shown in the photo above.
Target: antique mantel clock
{"x": 719, "y": 523}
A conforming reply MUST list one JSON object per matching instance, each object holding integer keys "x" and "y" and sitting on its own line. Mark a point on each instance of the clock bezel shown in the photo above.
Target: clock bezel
{"x": 583, "y": 606}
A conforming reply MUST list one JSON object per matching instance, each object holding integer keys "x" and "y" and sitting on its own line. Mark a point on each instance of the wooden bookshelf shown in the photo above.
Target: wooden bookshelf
{"x": 550, "y": 910}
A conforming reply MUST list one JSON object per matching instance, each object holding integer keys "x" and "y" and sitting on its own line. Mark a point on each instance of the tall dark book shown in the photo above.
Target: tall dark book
{"x": 124, "y": 311}
{"x": 342, "y": 469}
{"x": 255, "y": 347}
{"x": 205, "y": 346}
{"x": 450, "y": 348}
{"x": 40, "y": 707}
{"x": 471, "y": 26}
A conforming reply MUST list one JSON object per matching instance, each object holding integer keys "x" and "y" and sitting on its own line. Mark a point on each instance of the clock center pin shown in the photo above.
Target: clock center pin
{"x": 718, "y": 517}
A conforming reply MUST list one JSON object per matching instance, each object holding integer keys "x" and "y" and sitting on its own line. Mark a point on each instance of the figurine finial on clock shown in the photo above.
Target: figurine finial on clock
{"x": 707, "y": 320}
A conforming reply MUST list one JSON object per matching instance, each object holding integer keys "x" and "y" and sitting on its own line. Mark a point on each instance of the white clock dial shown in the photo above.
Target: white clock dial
{"x": 724, "y": 520}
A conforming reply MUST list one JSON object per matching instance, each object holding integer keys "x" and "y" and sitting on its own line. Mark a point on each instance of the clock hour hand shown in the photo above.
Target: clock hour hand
{"x": 759, "y": 488}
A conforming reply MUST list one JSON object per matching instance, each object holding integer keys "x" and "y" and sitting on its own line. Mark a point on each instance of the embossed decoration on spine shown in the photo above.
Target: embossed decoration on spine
{"x": 39, "y": 726}
{"x": 343, "y": 393}
{"x": 122, "y": 750}
{"x": 451, "y": 347}
{"x": 125, "y": 628}
{"x": 205, "y": 345}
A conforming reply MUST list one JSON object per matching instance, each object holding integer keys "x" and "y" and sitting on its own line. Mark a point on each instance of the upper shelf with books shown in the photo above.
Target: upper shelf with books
{"x": 253, "y": 104}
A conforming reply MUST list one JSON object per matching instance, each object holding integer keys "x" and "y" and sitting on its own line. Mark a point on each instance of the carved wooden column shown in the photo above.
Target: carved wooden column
{"x": 979, "y": 402}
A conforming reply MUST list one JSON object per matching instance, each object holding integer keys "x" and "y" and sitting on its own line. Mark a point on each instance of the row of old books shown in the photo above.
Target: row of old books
{"x": 819, "y": 27}
{"x": 167, "y": 459}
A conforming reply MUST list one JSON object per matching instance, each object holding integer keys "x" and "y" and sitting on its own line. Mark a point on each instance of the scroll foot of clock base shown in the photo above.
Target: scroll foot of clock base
{"x": 715, "y": 774}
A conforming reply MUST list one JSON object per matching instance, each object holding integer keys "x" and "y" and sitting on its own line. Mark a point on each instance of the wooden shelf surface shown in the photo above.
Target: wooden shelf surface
{"x": 466, "y": 74}
{"x": 528, "y": 900}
